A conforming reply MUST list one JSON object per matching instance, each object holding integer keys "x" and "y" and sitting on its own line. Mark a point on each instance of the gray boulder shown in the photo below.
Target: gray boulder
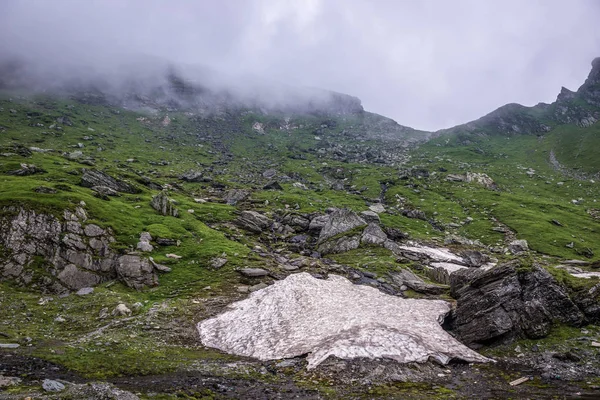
{"x": 253, "y": 221}
{"x": 195, "y": 177}
{"x": 93, "y": 177}
{"x": 52, "y": 386}
{"x": 254, "y": 272}
{"x": 373, "y": 234}
{"x": 518, "y": 246}
{"x": 509, "y": 301}
{"x": 340, "y": 245}
{"x": 136, "y": 272}
{"x": 370, "y": 216}
{"x": 27, "y": 169}
{"x": 318, "y": 222}
{"x": 234, "y": 196}
{"x": 340, "y": 221}
{"x": 474, "y": 258}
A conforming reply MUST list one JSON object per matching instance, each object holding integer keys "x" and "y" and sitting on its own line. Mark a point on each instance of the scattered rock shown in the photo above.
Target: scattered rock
{"x": 195, "y": 177}
{"x": 121, "y": 310}
{"x": 163, "y": 204}
{"x": 218, "y": 262}
{"x": 85, "y": 291}
{"x": 26, "y": 170}
{"x": 254, "y": 272}
{"x": 273, "y": 186}
{"x": 518, "y": 246}
{"x": 377, "y": 208}
{"x": 234, "y": 196}
{"x": 52, "y": 386}
{"x": 144, "y": 243}
{"x": 257, "y": 287}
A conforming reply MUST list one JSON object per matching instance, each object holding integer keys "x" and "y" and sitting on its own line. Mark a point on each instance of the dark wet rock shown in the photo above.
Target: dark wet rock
{"x": 317, "y": 223}
{"x": 92, "y": 178}
{"x": 45, "y": 190}
{"x": 273, "y": 186}
{"x": 509, "y": 301}
{"x": 298, "y": 222}
{"x": 373, "y": 234}
{"x": 406, "y": 278}
{"x": 253, "y": 221}
{"x": 162, "y": 203}
{"x": 27, "y": 170}
{"x": 395, "y": 234}
{"x": 234, "y": 196}
{"x": 254, "y": 272}
{"x": 340, "y": 221}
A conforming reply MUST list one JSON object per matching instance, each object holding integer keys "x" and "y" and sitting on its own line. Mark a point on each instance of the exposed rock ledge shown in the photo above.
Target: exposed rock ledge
{"x": 58, "y": 255}
{"x": 304, "y": 315}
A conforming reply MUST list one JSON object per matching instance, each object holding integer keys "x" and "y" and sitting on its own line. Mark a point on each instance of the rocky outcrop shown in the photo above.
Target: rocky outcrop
{"x": 339, "y": 245}
{"x": 195, "y": 177}
{"x": 233, "y": 196}
{"x": 163, "y": 204}
{"x": 93, "y": 178}
{"x": 509, "y": 301}
{"x": 253, "y": 221}
{"x": 60, "y": 254}
{"x": 406, "y": 278}
{"x": 340, "y": 221}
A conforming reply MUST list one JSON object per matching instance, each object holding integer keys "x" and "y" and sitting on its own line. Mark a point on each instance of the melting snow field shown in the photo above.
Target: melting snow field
{"x": 304, "y": 315}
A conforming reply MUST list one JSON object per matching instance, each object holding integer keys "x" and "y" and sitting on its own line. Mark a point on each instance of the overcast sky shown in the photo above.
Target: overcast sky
{"x": 427, "y": 64}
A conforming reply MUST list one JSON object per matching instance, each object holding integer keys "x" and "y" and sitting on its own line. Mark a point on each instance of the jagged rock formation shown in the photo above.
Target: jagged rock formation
{"x": 60, "y": 254}
{"x": 322, "y": 318}
{"x": 509, "y": 301}
{"x": 162, "y": 203}
{"x": 93, "y": 179}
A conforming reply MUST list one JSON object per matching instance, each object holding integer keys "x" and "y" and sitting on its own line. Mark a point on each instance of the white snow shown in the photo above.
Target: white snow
{"x": 304, "y": 315}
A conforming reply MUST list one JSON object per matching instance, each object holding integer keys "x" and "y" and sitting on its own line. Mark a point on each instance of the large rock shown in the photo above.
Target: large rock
{"x": 162, "y": 203}
{"x": 508, "y": 301}
{"x": 233, "y": 196}
{"x": 518, "y": 246}
{"x": 373, "y": 234}
{"x": 340, "y": 221}
{"x": 93, "y": 178}
{"x": 136, "y": 272}
{"x": 253, "y": 221}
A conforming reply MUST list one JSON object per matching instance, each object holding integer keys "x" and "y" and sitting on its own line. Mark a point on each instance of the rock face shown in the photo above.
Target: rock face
{"x": 58, "y": 255}
{"x": 163, "y": 205}
{"x": 508, "y": 301}
{"x": 94, "y": 178}
{"x": 340, "y": 221}
{"x": 304, "y": 315}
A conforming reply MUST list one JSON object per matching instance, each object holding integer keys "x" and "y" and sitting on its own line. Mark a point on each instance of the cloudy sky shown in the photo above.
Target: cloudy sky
{"x": 428, "y": 64}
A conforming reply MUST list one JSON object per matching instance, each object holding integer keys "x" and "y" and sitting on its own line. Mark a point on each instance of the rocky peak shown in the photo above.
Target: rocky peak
{"x": 565, "y": 94}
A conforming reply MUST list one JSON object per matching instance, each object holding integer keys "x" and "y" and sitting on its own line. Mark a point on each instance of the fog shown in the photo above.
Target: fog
{"x": 427, "y": 64}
